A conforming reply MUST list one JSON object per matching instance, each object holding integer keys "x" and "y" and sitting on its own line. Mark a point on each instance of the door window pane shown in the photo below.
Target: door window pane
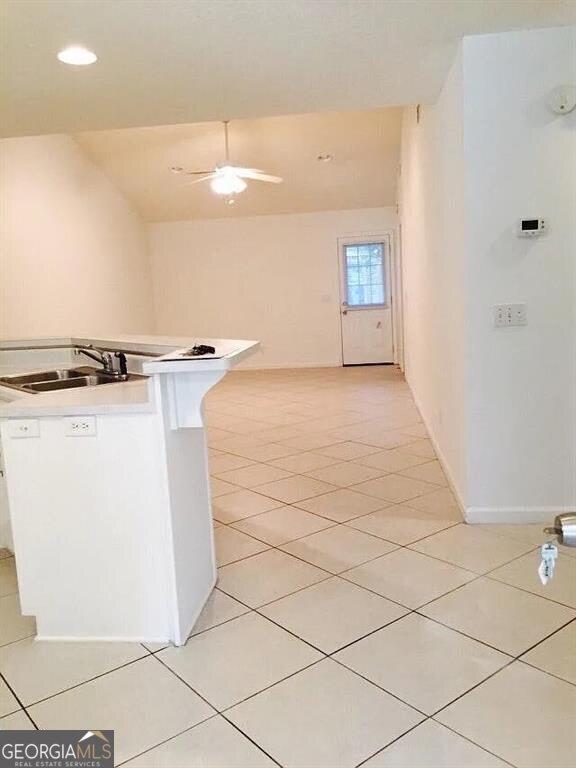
{"x": 354, "y": 295}
{"x": 365, "y": 274}
{"x": 377, "y": 294}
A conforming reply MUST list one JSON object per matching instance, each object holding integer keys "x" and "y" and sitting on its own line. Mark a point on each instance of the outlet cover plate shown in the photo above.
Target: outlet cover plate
{"x": 80, "y": 426}
{"x": 23, "y": 428}
{"x": 506, "y": 315}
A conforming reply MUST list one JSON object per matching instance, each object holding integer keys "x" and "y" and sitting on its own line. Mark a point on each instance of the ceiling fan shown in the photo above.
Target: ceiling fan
{"x": 228, "y": 179}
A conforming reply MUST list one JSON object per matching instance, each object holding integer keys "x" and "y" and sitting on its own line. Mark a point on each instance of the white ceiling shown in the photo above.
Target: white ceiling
{"x": 181, "y": 61}
{"x": 362, "y": 174}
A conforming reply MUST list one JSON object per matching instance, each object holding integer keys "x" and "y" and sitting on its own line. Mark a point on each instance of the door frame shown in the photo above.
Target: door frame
{"x": 387, "y": 236}
{"x": 398, "y": 308}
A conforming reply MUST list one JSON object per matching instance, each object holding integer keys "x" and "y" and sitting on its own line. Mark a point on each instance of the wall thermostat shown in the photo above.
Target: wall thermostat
{"x": 531, "y": 227}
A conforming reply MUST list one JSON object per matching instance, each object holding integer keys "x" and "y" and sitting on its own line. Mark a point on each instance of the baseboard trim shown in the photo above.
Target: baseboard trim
{"x": 439, "y": 455}
{"x": 6, "y": 541}
{"x": 248, "y": 366}
{"x": 514, "y": 515}
{"x": 99, "y": 639}
{"x": 490, "y": 515}
{"x": 181, "y": 638}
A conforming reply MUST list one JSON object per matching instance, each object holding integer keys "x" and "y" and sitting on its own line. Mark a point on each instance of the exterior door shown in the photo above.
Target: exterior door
{"x": 366, "y": 312}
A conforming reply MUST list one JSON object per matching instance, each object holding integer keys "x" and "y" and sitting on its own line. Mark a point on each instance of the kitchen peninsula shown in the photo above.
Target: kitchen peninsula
{"x": 107, "y": 482}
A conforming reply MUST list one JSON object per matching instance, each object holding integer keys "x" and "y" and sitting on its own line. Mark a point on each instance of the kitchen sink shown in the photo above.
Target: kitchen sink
{"x": 63, "y": 378}
{"x": 29, "y": 378}
{"x": 80, "y": 381}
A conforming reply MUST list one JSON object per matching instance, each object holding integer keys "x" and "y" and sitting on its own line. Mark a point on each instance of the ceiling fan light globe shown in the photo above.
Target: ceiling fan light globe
{"x": 228, "y": 184}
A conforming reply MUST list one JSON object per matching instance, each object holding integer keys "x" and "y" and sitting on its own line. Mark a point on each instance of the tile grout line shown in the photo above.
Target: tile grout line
{"x": 339, "y": 575}
{"x": 146, "y": 655}
{"x": 18, "y": 699}
{"x": 307, "y": 475}
{"x": 416, "y": 611}
{"x": 372, "y": 559}
{"x": 385, "y": 747}
{"x": 524, "y": 589}
{"x": 407, "y": 608}
{"x": 246, "y": 698}
{"x": 165, "y": 741}
{"x": 185, "y": 682}
{"x": 18, "y": 640}
{"x": 329, "y": 575}
{"x": 510, "y": 661}
{"x": 428, "y": 719}
{"x": 547, "y": 637}
{"x": 545, "y": 671}
{"x": 466, "y": 738}
{"x": 283, "y": 543}
{"x": 413, "y": 706}
{"x": 253, "y": 741}
{"x": 351, "y": 487}
{"x": 300, "y": 589}
{"x": 278, "y": 547}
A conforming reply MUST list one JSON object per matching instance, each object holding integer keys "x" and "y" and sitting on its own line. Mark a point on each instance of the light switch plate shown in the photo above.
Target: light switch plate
{"x": 506, "y": 315}
{"x": 24, "y": 428}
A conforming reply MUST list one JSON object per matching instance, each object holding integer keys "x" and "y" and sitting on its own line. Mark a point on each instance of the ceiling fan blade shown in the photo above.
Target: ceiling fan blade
{"x": 251, "y": 173}
{"x": 197, "y": 173}
{"x": 239, "y": 170}
{"x": 202, "y": 178}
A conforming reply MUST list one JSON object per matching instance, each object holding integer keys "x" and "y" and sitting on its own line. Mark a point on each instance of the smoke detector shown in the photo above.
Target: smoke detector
{"x": 562, "y": 100}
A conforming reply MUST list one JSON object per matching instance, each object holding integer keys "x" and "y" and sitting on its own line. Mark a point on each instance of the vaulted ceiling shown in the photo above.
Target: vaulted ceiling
{"x": 181, "y": 61}
{"x": 364, "y": 147}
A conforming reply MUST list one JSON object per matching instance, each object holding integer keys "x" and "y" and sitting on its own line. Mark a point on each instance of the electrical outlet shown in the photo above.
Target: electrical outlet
{"x": 80, "y": 426}
{"x": 506, "y": 315}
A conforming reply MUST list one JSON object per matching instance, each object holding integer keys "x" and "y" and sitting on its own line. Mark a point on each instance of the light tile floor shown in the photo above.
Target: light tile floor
{"x": 357, "y": 621}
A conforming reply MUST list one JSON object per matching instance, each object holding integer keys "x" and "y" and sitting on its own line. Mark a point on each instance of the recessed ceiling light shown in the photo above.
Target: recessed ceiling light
{"x": 77, "y": 55}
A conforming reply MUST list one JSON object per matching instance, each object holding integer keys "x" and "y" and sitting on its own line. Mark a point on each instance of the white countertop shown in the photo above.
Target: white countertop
{"x": 152, "y": 345}
{"x": 167, "y": 356}
{"x": 124, "y": 397}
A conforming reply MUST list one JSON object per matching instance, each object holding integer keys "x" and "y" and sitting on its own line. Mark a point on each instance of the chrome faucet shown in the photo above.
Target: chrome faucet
{"x": 106, "y": 361}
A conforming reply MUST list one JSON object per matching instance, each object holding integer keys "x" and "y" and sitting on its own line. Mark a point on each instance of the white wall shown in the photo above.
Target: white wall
{"x": 272, "y": 278}
{"x": 432, "y": 215}
{"x": 73, "y": 253}
{"x": 488, "y": 153}
{"x": 521, "y": 161}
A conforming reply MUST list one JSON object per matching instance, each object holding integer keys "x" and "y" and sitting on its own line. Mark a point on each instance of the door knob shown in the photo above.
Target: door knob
{"x": 565, "y": 529}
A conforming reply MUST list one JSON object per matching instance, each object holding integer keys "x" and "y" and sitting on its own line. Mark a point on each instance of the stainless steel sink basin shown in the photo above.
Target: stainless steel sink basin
{"x": 29, "y": 378}
{"x": 80, "y": 381}
{"x": 62, "y": 378}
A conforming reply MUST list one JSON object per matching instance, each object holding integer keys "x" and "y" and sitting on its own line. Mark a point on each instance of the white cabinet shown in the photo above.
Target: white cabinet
{"x": 5, "y": 528}
{"x": 112, "y": 525}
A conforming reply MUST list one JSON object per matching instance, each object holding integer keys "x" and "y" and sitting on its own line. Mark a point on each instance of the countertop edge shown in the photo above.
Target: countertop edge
{"x": 111, "y": 400}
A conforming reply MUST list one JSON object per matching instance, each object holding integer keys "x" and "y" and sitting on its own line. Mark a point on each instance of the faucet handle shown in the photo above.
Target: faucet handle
{"x": 122, "y": 364}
